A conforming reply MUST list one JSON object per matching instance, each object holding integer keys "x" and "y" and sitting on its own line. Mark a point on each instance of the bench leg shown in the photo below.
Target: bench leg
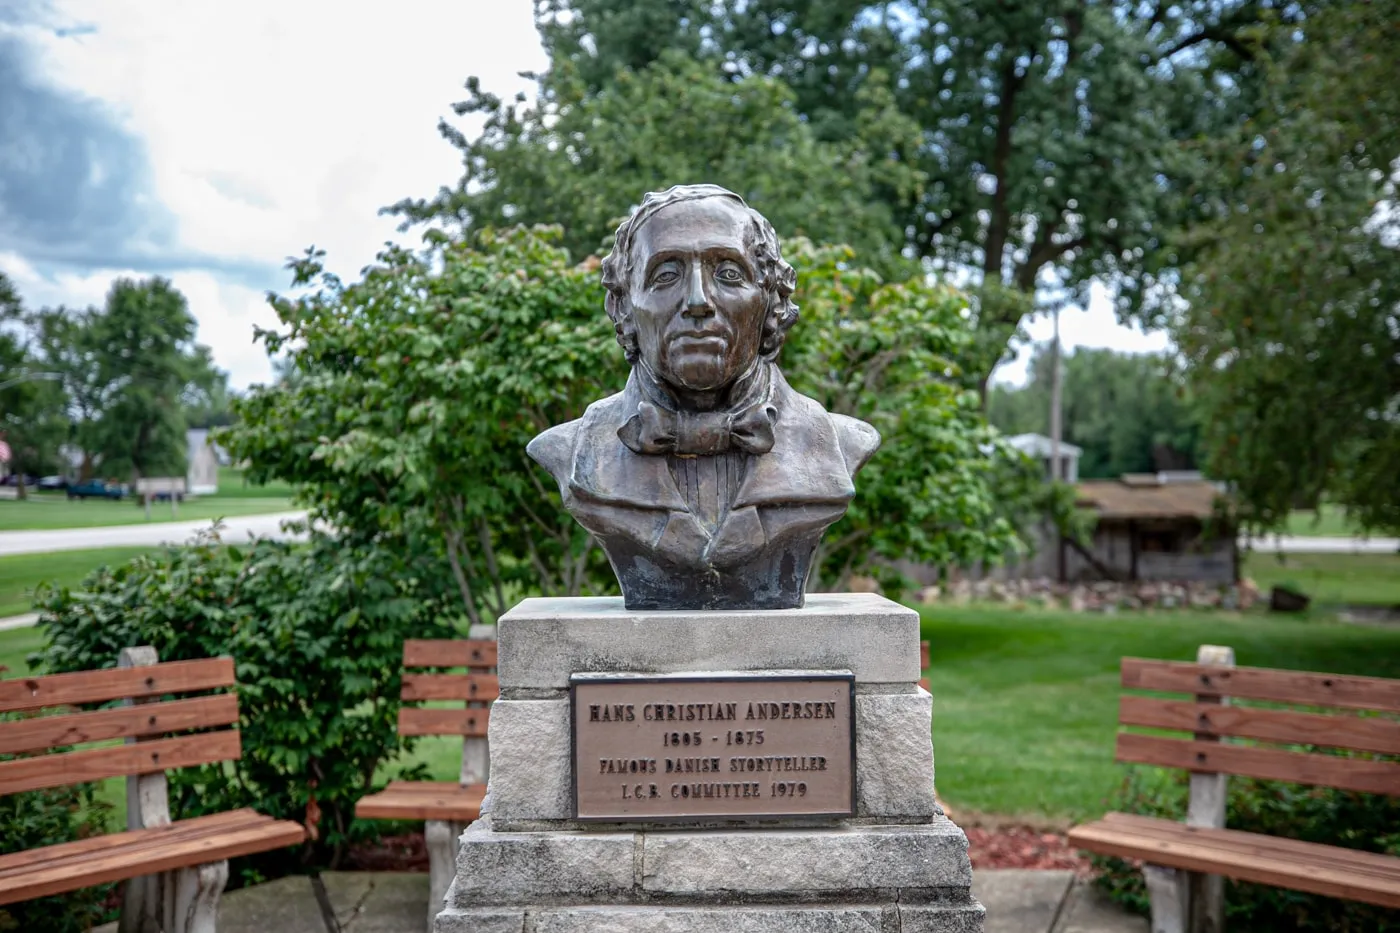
{"x": 1169, "y": 892}
{"x": 441, "y": 837}
{"x": 192, "y": 897}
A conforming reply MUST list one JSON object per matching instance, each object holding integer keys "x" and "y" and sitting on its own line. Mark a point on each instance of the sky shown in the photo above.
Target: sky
{"x": 209, "y": 142}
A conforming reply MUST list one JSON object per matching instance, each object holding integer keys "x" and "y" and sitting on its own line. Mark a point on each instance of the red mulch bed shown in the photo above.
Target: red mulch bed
{"x": 407, "y": 852}
{"x": 1003, "y": 847}
{"x": 1023, "y": 847}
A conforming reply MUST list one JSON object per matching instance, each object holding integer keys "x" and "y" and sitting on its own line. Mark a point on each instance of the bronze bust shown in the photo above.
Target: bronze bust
{"x": 708, "y": 481}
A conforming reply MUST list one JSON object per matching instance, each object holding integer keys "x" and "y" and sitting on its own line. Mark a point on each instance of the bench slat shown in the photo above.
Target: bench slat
{"x": 81, "y": 848}
{"x": 1258, "y": 683}
{"x": 449, "y": 652}
{"x": 1372, "y": 734}
{"x": 147, "y": 851}
{"x": 1368, "y": 776}
{"x": 423, "y": 800}
{"x": 1317, "y": 874}
{"x": 40, "y": 732}
{"x": 479, "y": 687}
{"x": 1250, "y": 845}
{"x": 96, "y": 764}
{"x": 465, "y": 722}
{"x": 22, "y": 693}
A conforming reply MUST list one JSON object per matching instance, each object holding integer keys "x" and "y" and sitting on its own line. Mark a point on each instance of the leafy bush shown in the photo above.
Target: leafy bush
{"x": 43, "y": 818}
{"x": 410, "y": 396}
{"x": 1312, "y": 814}
{"x": 316, "y": 632}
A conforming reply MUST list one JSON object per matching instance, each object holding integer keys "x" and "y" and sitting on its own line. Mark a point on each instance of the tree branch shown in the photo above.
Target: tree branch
{"x": 1212, "y": 34}
{"x": 489, "y": 551}
{"x": 1000, "y": 224}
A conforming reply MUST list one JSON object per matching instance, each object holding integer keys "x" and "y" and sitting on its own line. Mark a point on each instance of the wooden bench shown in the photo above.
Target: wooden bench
{"x": 175, "y": 871}
{"x": 446, "y": 806}
{"x": 1185, "y": 863}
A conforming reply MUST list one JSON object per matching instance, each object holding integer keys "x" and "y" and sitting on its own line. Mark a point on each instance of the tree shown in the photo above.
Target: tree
{"x": 1292, "y": 333}
{"x": 419, "y": 386}
{"x": 1032, "y": 145}
{"x": 32, "y": 422}
{"x": 141, "y": 354}
{"x": 582, "y": 160}
{"x": 1130, "y": 412}
{"x": 64, "y": 342}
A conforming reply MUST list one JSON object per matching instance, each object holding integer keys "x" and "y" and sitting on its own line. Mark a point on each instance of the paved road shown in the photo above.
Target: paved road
{"x": 1291, "y": 544}
{"x": 236, "y": 531}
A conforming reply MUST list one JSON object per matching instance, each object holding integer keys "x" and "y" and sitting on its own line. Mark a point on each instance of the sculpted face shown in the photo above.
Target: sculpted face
{"x": 696, "y": 302}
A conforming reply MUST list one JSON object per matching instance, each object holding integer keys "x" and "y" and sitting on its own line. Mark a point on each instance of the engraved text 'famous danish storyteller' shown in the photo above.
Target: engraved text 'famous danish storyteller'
{"x": 708, "y": 481}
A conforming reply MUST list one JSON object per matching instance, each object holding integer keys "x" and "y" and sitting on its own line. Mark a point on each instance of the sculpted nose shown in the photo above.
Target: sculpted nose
{"x": 697, "y": 303}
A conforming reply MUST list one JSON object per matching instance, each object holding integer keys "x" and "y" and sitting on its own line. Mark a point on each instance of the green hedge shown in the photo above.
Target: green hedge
{"x": 316, "y": 632}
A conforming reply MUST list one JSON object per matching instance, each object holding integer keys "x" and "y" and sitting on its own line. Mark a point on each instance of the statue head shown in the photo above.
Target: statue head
{"x": 697, "y": 289}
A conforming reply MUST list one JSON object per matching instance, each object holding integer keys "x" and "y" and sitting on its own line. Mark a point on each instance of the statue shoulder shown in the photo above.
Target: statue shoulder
{"x": 859, "y": 441}
{"x": 553, "y": 449}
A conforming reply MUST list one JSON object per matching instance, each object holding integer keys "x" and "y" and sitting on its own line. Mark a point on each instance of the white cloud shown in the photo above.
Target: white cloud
{"x": 271, "y": 126}
{"x": 226, "y": 311}
{"x": 1094, "y": 327}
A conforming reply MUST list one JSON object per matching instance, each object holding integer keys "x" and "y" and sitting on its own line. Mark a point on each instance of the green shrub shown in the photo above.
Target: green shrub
{"x": 316, "y": 632}
{"x": 1311, "y": 814}
{"x": 43, "y": 818}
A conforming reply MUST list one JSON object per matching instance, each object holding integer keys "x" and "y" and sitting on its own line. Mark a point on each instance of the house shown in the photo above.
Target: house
{"x": 1154, "y": 526}
{"x": 1038, "y": 447}
{"x": 202, "y": 476}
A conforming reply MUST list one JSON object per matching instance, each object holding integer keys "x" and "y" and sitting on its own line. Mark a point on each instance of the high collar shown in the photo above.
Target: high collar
{"x": 805, "y": 466}
{"x": 747, "y": 391}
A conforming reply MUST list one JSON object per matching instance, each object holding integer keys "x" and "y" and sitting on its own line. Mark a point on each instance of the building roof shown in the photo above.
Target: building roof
{"x": 1038, "y": 445}
{"x": 1132, "y": 497}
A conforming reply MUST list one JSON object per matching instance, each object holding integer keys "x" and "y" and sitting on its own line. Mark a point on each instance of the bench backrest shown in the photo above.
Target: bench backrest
{"x": 146, "y": 720}
{"x": 478, "y": 687}
{"x": 1363, "y": 718}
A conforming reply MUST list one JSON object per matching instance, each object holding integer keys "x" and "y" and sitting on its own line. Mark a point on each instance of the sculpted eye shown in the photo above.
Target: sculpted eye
{"x": 730, "y": 274}
{"x": 666, "y": 274}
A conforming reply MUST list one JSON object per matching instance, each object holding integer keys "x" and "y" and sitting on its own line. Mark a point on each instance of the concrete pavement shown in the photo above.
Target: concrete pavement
{"x": 1017, "y": 901}
{"x": 1298, "y": 544}
{"x": 236, "y": 530}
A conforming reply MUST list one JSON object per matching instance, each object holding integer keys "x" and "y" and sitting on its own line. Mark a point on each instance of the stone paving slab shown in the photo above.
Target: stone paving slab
{"x": 1020, "y": 900}
{"x": 1017, "y": 901}
{"x": 1088, "y": 910}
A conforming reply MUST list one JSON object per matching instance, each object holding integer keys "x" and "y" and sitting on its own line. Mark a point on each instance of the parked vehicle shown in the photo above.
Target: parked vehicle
{"x": 13, "y": 480}
{"x": 53, "y": 482}
{"x": 96, "y": 489}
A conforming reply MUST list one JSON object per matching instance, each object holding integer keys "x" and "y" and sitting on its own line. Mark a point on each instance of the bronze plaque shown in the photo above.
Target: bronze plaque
{"x": 694, "y": 748}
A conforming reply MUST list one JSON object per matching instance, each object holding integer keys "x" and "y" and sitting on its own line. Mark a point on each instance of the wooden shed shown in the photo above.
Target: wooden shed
{"x": 1154, "y": 526}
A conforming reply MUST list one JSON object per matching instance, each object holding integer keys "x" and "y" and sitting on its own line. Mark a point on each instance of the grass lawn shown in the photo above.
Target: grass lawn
{"x": 1330, "y": 579}
{"x": 54, "y": 510}
{"x": 232, "y": 485}
{"x": 1026, "y": 703}
{"x": 21, "y": 573}
{"x": 1328, "y": 522}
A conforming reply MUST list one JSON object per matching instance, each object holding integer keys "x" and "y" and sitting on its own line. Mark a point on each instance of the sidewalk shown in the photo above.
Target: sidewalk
{"x": 1017, "y": 901}
{"x": 237, "y": 530}
{"x": 1300, "y": 544}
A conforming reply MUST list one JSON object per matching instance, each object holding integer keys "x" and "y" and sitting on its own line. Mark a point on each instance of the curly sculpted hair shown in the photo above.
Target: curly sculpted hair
{"x": 775, "y": 277}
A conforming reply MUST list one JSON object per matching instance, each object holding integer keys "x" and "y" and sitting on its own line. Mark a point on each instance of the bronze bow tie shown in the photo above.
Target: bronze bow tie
{"x": 654, "y": 430}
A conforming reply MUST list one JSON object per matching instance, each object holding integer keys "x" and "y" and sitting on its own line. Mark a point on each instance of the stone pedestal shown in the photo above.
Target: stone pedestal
{"x": 897, "y": 864}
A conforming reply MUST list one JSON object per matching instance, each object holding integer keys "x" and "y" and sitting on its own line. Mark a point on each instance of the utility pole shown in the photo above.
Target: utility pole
{"x": 1055, "y": 431}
